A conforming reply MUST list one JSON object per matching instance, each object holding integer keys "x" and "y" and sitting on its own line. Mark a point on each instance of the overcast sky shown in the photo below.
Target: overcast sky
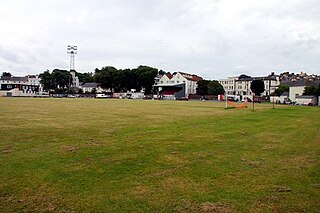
{"x": 212, "y": 38}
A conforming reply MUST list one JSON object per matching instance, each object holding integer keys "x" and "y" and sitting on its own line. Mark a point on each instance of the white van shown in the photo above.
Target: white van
{"x": 101, "y": 96}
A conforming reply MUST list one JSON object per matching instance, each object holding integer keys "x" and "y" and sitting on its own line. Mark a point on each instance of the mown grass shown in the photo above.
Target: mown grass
{"x": 81, "y": 155}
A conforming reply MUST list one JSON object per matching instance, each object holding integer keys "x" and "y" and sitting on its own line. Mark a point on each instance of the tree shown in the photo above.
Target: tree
{"x": 129, "y": 80}
{"x": 206, "y": 87}
{"x": 311, "y": 90}
{"x": 123, "y": 80}
{"x": 85, "y": 77}
{"x": 146, "y": 77}
{"x": 61, "y": 78}
{"x": 202, "y": 88}
{"x": 257, "y": 86}
{"x": 281, "y": 89}
{"x": 215, "y": 88}
{"x": 161, "y": 72}
{"x": 6, "y": 74}
{"x": 106, "y": 77}
{"x": 46, "y": 80}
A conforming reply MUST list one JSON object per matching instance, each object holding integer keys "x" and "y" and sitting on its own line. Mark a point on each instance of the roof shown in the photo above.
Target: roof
{"x": 8, "y": 78}
{"x": 248, "y": 78}
{"x": 169, "y": 85}
{"x": 191, "y": 77}
{"x": 303, "y": 83}
{"x": 169, "y": 75}
{"x": 90, "y": 84}
{"x": 305, "y": 96}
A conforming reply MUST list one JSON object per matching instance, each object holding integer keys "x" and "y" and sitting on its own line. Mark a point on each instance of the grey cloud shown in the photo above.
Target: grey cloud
{"x": 215, "y": 39}
{"x": 8, "y": 54}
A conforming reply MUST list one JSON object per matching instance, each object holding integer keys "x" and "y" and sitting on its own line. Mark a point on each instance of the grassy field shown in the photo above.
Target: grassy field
{"x": 81, "y": 155}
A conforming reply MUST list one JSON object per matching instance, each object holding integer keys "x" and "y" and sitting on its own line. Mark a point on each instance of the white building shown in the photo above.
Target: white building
{"x": 296, "y": 88}
{"x": 240, "y": 86}
{"x": 75, "y": 79}
{"x": 20, "y": 86}
{"x": 90, "y": 87}
{"x": 307, "y": 100}
{"x": 295, "y": 91}
{"x": 229, "y": 85}
{"x": 178, "y": 85}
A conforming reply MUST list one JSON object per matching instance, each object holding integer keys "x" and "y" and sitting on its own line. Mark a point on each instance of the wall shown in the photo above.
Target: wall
{"x": 293, "y": 91}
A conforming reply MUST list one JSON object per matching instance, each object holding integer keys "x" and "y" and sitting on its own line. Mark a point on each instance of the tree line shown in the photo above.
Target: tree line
{"x": 141, "y": 78}
{"x": 108, "y": 77}
{"x": 209, "y": 87}
{"x": 118, "y": 80}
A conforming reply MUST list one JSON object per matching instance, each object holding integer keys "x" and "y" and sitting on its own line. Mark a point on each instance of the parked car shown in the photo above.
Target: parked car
{"x": 232, "y": 99}
{"x": 257, "y": 100}
{"x": 204, "y": 98}
{"x": 182, "y": 99}
{"x": 287, "y": 101}
{"x": 57, "y": 95}
{"x": 101, "y": 96}
{"x": 247, "y": 99}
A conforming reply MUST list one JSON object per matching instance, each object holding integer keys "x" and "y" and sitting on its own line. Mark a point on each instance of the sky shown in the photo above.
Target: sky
{"x": 214, "y": 39}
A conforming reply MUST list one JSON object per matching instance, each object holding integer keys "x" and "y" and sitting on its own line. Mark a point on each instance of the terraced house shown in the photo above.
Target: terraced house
{"x": 240, "y": 85}
{"x": 178, "y": 85}
{"x": 20, "y": 86}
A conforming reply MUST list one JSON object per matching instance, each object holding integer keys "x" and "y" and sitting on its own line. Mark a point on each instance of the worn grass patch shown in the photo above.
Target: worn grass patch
{"x": 87, "y": 155}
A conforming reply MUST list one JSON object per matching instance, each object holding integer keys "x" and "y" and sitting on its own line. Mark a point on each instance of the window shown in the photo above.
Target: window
{"x": 177, "y": 81}
{"x": 161, "y": 82}
{"x": 9, "y": 86}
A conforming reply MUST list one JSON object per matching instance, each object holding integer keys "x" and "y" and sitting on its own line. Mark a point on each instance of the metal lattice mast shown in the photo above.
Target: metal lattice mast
{"x": 72, "y": 50}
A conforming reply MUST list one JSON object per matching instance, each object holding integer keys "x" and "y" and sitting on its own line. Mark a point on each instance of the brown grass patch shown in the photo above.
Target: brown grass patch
{"x": 281, "y": 189}
{"x": 34, "y": 200}
{"x": 163, "y": 172}
{"x": 7, "y": 149}
{"x": 70, "y": 149}
{"x": 204, "y": 207}
{"x": 173, "y": 159}
{"x": 215, "y": 207}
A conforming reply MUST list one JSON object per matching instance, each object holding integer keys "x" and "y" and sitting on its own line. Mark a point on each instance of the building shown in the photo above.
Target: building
{"x": 75, "y": 80}
{"x": 20, "y": 86}
{"x": 178, "y": 85}
{"x": 240, "y": 86}
{"x": 296, "y": 88}
{"x": 90, "y": 87}
{"x": 308, "y": 100}
{"x": 229, "y": 85}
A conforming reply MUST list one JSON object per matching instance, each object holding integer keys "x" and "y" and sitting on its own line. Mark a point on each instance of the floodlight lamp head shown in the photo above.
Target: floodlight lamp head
{"x": 72, "y": 49}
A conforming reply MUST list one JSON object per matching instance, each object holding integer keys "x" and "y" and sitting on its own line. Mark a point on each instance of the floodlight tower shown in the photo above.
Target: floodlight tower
{"x": 72, "y": 50}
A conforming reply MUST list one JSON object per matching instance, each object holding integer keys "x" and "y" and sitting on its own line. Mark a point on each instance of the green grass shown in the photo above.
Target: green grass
{"x": 87, "y": 155}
